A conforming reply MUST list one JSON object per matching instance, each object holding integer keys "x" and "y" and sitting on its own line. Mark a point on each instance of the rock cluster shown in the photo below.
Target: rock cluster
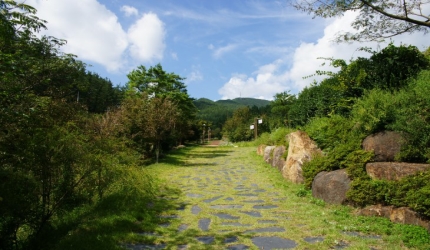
{"x": 333, "y": 186}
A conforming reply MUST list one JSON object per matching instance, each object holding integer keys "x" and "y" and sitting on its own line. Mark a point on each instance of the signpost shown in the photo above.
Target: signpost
{"x": 255, "y": 126}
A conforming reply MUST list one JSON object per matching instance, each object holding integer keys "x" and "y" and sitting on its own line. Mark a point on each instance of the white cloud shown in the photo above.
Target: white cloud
{"x": 129, "y": 10}
{"x": 306, "y": 62}
{"x": 91, "y": 30}
{"x": 221, "y": 51}
{"x": 194, "y": 76}
{"x": 94, "y": 34}
{"x": 268, "y": 81}
{"x": 147, "y": 38}
{"x": 278, "y": 76}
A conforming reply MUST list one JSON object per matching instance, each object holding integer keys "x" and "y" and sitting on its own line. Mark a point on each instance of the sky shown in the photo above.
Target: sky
{"x": 225, "y": 48}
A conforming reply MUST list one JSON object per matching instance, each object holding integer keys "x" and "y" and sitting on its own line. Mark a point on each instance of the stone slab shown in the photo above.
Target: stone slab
{"x": 273, "y": 243}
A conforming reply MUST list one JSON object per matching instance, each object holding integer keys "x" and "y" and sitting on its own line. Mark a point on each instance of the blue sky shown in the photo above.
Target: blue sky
{"x": 225, "y": 48}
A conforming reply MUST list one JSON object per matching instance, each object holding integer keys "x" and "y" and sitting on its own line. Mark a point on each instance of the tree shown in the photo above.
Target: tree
{"x": 155, "y": 82}
{"x": 280, "y": 107}
{"x": 236, "y": 128}
{"x": 151, "y": 119}
{"x": 377, "y": 19}
{"x": 49, "y": 163}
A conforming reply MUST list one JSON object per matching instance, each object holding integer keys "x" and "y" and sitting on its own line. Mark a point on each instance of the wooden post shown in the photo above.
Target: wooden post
{"x": 255, "y": 128}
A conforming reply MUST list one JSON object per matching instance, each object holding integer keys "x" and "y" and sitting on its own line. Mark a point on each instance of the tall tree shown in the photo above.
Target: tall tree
{"x": 152, "y": 119}
{"x": 158, "y": 83}
{"x": 377, "y": 19}
{"x": 280, "y": 107}
{"x": 236, "y": 128}
{"x": 47, "y": 157}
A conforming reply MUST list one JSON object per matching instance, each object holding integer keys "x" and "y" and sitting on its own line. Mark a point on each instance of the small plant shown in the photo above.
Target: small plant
{"x": 302, "y": 192}
{"x": 317, "y": 202}
{"x": 414, "y": 236}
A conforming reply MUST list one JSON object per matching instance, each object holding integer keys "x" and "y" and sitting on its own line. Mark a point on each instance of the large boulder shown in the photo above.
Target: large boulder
{"x": 300, "y": 150}
{"x": 268, "y": 156}
{"x": 402, "y": 215}
{"x": 331, "y": 186}
{"x": 393, "y": 170}
{"x": 278, "y": 157}
{"x": 386, "y": 145}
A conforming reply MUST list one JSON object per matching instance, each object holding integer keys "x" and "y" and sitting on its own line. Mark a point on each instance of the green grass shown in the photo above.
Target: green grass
{"x": 127, "y": 213}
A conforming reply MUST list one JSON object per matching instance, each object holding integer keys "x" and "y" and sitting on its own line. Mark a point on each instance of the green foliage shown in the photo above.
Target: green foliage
{"x": 393, "y": 66}
{"x": 414, "y": 192}
{"x": 341, "y": 142}
{"x": 155, "y": 82}
{"x": 412, "y": 118}
{"x": 98, "y": 94}
{"x": 218, "y": 112}
{"x": 375, "y": 111}
{"x": 56, "y": 157}
{"x": 414, "y": 236}
{"x": 389, "y": 69}
{"x": 279, "y": 109}
{"x": 404, "y": 111}
{"x": 150, "y": 120}
{"x": 237, "y": 127}
{"x": 303, "y": 192}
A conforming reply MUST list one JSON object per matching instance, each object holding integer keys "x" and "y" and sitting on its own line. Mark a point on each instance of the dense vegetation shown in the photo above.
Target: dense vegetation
{"x": 70, "y": 141}
{"x": 388, "y": 91}
{"x": 216, "y": 113}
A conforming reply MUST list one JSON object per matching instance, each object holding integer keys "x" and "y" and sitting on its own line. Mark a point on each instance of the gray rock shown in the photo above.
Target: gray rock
{"x": 402, "y": 215}
{"x": 204, "y": 224}
{"x": 278, "y": 161}
{"x": 386, "y": 145}
{"x": 331, "y": 186}
{"x": 268, "y": 154}
{"x": 273, "y": 243}
{"x": 394, "y": 170}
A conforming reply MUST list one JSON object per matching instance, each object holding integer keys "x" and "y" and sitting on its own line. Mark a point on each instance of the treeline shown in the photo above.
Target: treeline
{"x": 390, "y": 69}
{"x": 390, "y": 90}
{"x": 68, "y": 137}
{"x": 216, "y": 113}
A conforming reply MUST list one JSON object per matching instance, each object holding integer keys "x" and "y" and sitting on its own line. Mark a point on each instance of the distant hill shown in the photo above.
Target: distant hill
{"x": 218, "y": 112}
{"x": 204, "y": 103}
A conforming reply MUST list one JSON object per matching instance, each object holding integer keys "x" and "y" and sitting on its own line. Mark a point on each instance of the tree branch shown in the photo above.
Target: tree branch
{"x": 406, "y": 19}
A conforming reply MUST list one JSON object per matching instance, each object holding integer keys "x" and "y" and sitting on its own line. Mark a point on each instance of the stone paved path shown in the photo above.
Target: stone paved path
{"x": 228, "y": 202}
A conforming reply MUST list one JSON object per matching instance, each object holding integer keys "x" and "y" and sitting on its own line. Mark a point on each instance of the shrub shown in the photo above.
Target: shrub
{"x": 375, "y": 111}
{"x": 341, "y": 143}
{"x": 412, "y": 117}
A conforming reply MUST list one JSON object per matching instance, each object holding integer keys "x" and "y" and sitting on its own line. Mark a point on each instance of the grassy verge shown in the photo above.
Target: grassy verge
{"x": 132, "y": 206}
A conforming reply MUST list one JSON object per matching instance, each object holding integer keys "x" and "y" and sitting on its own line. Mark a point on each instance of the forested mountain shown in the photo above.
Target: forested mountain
{"x": 204, "y": 103}
{"x": 216, "y": 113}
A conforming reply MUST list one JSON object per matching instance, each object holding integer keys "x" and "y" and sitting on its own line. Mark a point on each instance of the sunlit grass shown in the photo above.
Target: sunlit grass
{"x": 153, "y": 216}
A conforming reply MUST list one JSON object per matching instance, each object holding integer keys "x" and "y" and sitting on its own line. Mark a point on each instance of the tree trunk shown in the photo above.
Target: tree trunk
{"x": 157, "y": 150}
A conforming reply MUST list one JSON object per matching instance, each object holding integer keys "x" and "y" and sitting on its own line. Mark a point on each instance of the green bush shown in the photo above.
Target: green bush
{"x": 341, "y": 142}
{"x": 412, "y": 117}
{"x": 276, "y": 138}
{"x": 375, "y": 111}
